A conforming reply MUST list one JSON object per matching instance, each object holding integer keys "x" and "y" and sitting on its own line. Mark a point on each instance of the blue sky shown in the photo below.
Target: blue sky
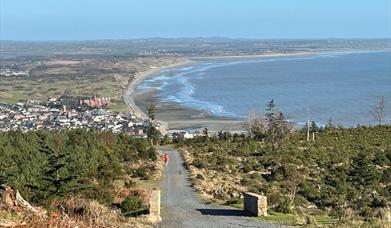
{"x": 122, "y": 19}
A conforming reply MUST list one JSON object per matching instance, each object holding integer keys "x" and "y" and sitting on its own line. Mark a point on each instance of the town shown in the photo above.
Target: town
{"x": 69, "y": 113}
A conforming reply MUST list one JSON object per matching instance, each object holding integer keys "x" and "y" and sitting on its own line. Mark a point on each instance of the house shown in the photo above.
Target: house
{"x": 62, "y": 119}
{"x": 18, "y": 117}
{"x": 182, "y": 135}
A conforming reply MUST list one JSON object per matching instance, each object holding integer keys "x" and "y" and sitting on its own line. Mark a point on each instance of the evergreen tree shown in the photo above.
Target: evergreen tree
{"x": 153, "y": 134}
{"x": 205, "y": 133}
{"x": 151, "y": 112}
{"x": 314, "y": 127}
{"x": 271, "y": 110}
{"x": 55, "y": 174}
{"x": 363, "y": 172}
{"x": 278, "y": 128}
{"x": 330, "y": 124}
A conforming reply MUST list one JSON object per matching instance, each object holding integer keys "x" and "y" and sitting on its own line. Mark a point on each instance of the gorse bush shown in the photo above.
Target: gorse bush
{"x": 130, "y": 204}
{"x": 343, "y": 169}
{"x": 198, "y": 163}
{"x": 44, "y": 165}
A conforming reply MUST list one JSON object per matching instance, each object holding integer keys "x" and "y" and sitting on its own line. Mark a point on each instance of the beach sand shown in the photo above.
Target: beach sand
{"x": 139, "y": 78}
{"x": 175, "y": 116}
{"x": 170, "y": 114}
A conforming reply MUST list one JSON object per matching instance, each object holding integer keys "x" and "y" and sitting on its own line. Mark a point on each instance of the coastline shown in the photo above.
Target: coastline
{"x": 139, "y": 78}
{"x": 254, "y": 56}
{"x": 170, "y": 114}
{"x": 175, "y": 116}
{"x": 303, "y": 53}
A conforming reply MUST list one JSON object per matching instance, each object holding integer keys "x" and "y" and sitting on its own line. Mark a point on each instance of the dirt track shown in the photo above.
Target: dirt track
{"x": 181, "y": 206}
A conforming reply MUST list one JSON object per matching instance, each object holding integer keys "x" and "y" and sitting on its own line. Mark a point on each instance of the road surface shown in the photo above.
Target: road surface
{"x": 182, "y": 207}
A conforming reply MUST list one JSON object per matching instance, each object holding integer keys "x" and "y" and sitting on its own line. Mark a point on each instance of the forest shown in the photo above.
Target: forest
{"x": 52, "y": 168}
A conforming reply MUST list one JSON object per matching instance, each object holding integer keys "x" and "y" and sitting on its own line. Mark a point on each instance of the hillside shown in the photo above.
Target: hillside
{"x": 345, "y": 173}
{"x": 77, "y": 177}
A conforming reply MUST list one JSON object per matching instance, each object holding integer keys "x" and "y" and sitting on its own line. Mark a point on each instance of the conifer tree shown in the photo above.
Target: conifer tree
{"x": 153, "y": 134}
{"x": 278, "y": 128}
{"x": 55, "y": 174}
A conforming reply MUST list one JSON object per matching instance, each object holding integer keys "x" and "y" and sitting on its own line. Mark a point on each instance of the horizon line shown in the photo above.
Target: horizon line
{"x": 192, "y": 37}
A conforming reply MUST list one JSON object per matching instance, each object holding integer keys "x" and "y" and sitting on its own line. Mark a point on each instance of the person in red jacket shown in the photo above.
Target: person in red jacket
{"x": 166, "y": 159}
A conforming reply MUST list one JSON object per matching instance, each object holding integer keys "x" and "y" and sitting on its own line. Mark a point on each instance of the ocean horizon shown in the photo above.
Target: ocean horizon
{"x": 343, "y": 86}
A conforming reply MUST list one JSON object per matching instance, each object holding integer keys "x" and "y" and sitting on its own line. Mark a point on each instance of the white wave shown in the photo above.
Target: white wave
{"x": 185, "y": 97}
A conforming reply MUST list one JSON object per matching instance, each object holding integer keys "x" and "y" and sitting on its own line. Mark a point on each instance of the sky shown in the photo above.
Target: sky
{"x": 126, "y": 19}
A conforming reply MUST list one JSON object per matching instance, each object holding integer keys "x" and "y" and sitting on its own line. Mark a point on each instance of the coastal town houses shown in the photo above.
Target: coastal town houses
{"x": 54, "y": 114}
{"x": 181, "y": 135}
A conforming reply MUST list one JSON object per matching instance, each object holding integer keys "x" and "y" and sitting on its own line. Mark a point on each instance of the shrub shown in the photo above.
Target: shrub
{"x": 131, "y": 204}
{"x": 343, "y": 166}
{"x": 199, "y": 176}
{"x": 310, "y": 220}
{"x": 284, "y": 206}
{"x": 212, "y": 149}
{"x": 198, "y": 163}
{"x": 245, "y": 181}
{"x": 152, "y": 153}
{"x": 141, "y": 173}
{"x": 129, "y": 183}
{"x": 247, "y": 168}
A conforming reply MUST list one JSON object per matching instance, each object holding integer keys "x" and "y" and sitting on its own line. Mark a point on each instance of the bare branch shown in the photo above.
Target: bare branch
{"x": 378, "y": 111}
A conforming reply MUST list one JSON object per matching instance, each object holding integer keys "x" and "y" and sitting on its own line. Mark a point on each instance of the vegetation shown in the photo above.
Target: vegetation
{"x": 133, "y": 206}
{"x": 378, "y": 111}
{"x": 345, "y": 173}
{"x": 153, "y": 133}
{"x": 51, "y": 167}
{"x": 298, "y": 219}
{"x": 74, "y": 75}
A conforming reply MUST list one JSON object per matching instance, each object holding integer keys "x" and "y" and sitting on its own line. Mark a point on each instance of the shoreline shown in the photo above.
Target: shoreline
{"x": 138, "y": 79}
{"x": 253, "y": 56}
{"x": 141, "y": 76}
{"x": 173, "y": 115}
{"x": 303, "y": 53}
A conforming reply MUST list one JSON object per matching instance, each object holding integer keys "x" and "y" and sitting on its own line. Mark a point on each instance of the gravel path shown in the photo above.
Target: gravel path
{"x": 182, "y": 207}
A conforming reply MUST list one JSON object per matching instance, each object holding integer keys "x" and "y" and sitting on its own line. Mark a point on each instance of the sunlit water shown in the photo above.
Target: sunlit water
{"x": 343, "y": 86}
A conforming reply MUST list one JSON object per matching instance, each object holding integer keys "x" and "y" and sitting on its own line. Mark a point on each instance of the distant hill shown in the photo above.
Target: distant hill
{"x": 200, "y": 46}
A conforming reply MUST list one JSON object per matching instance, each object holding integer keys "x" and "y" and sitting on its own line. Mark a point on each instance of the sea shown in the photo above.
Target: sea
{"x": 341, "y": 86}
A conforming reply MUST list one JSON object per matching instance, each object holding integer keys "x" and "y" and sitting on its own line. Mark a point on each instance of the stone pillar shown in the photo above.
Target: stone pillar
{"x": 255, "y": 205}
{"x": 154, "y": 206}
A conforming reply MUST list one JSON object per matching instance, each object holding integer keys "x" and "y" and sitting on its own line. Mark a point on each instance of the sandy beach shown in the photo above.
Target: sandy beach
{"x": 266, "y": 55}
{"x": 298, "y": 53}
{"x": 175, "y": 116}
{"x": 139, "y": 78}
{"x": 171, "y": 114}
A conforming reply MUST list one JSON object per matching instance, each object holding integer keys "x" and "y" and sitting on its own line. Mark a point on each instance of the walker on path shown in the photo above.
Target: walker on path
{"x": 166, "y": 159}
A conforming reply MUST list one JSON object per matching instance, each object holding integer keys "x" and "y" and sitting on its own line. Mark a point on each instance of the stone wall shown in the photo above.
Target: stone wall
{"x": 154, "y": 206}
{"x": 255, "y": 205}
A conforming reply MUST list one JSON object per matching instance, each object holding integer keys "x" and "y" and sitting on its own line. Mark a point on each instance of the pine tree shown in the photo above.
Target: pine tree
{"x": 270, "y": 112}
{"x": 278, "y": 128}
{"x": 314, "y": 127}
{"x": 151, "y": 112}
{"x": 55, "y": 174}
{"x": 153, "y": 134}
{"x": 363, "y": 172}
{"x": 205, "y": 133}
{"x": 330, "y": 124}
